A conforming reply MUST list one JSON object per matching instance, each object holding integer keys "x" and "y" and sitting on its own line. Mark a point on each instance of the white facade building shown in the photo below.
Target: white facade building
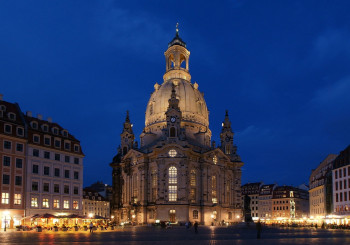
{"x": 54, "y": 170}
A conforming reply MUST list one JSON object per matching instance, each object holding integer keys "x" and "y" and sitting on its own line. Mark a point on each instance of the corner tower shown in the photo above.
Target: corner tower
{"x": 127, "y": 137}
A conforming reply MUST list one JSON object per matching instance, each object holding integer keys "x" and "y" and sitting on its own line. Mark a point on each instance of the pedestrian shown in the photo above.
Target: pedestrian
{"x": 187, "y": 225}
{"x": 91, "y": 226}
{"x": 196, "y": 227}
{"x": 258, "y": 229}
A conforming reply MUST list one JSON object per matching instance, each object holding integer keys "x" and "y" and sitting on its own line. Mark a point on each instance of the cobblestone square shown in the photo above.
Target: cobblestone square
{"x": 179, "y": 235}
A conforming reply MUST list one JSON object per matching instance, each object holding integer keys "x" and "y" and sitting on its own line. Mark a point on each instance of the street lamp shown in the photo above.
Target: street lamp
{"x": 5, "y": 214}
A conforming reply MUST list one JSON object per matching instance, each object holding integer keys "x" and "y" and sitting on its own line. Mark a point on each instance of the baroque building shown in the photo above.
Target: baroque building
{"x": 177, "y": 173}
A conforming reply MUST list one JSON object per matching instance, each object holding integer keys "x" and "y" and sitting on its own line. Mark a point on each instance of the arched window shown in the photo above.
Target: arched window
{"x": 195, "y": 214}
{"x": 172, "y": 132}
{"x": 213, "y": 189}
{"x": 193, "y": 183}
{"x": 135, "y": 189}
{"x": 227, "y": 150}
{"x": 193, "y": 178}
{"x": 172, "y": 172}
{"x": 154, "y": 184}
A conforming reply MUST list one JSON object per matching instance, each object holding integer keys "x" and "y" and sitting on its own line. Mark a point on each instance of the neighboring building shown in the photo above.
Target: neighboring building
{"x": 250, "y": 200}
{"x": 12, "y": 159}
{"x": 177, "y": 174}
{"x": 341, "y": 185}
{"x": 318, "y": 188}
{"x": 94, "y": 204}
{"x": 289, "y": 202}
{"x": 54, "y": 169}
{"x": 103, "y": 189}
{"x": 265, "y": 201}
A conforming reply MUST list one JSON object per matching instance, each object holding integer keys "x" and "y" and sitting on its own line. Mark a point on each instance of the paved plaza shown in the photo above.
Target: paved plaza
{"x": 179, "y": 235}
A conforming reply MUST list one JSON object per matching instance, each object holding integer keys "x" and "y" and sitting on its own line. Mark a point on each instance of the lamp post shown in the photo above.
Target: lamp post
{"x": 5, "y": 214}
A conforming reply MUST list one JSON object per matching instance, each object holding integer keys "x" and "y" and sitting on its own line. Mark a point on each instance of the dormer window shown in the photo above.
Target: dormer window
{"x": 76, "y": 148}
{"x": 65, "y": 133}
{"x": 34, "y": 125}
{"x": 45, "y": 128}
{"x": 12, "y": 116}
{"x": 2, "y": 108}
{"x": 55, "y": 131}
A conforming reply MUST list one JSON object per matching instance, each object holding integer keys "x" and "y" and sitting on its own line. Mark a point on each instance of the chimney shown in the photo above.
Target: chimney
{"x": 40, "y": 116}
{"x": 29, "y": 114}
{"x": 1, "y": 96}
{"x": 49, "y": 119}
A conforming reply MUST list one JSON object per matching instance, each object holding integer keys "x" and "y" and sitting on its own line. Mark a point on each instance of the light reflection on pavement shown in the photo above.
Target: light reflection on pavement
{"x": 179, "y": 235}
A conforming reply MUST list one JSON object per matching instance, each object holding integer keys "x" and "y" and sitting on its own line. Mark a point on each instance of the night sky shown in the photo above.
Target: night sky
{"x": 281, "y": 68}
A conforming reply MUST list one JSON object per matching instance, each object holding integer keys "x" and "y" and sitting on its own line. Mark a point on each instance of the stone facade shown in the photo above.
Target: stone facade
{"x": 265, "y": 201}
{"x": 94, "y": 204}
{"x": 54, "y": 180}
{"x": 318, "y": 188}
{"x": 289, "y": 202}
{"x": 177, "y": 174}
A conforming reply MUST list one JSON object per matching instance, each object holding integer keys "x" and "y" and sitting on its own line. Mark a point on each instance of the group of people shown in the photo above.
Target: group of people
{"x": 189, "y": 224}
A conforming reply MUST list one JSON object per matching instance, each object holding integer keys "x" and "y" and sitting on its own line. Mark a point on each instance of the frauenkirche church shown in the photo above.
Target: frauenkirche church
{"x": 177, "y": 173}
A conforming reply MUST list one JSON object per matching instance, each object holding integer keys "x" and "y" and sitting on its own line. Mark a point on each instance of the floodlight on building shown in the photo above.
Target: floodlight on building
{"x": 90, "y": 215}
{"x": 133, "y": 216}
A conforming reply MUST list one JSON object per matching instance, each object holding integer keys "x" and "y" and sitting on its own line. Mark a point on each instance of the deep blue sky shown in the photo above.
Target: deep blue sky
{"x": 281, "y": 68}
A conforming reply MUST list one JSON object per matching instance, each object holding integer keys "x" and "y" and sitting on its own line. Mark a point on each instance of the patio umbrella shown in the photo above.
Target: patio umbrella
{"x": 35, "y": 216}
{"x": 47, "y": 216}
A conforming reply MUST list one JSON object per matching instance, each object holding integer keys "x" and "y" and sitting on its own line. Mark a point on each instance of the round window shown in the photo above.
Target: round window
{"x": 172, "y": 153}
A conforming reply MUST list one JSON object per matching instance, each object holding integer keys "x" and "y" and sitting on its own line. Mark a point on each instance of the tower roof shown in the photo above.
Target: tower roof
{"x": 177, "y": 39}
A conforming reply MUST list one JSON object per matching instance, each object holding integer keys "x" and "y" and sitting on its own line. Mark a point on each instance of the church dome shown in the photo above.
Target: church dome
{"x": 191, "y": 103}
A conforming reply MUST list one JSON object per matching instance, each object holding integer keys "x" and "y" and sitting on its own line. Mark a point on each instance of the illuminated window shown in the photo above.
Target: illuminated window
{"x": 56, "y": 203}
{"x": 227, "y": 150}
{"x": 215, "y": 159}
{"x": 193, "y": 194}
{"x": 66, "y": 204}
{"x": 172, "y": 184}
{"x": 135, "y": 189}
{"x": 18, "y": 199}
{"x": 75, "y": 205}
{"x": 154, "y": 185}
{"x": 45, "y": 203}
{"x": 193, "y": 177}
{"x": 195, "y": 214}
{"x": 213, "y": 189}
{"x": 5, "y": 197}
{"x": 34, "y": 202}
{"x": 172, "y": 153}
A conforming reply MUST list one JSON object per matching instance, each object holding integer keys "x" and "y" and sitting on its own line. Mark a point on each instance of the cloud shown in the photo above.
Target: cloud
{"x": 333, "y": 95}
{"x": 331, "y": 44}
{"x": 133, "y": 30}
